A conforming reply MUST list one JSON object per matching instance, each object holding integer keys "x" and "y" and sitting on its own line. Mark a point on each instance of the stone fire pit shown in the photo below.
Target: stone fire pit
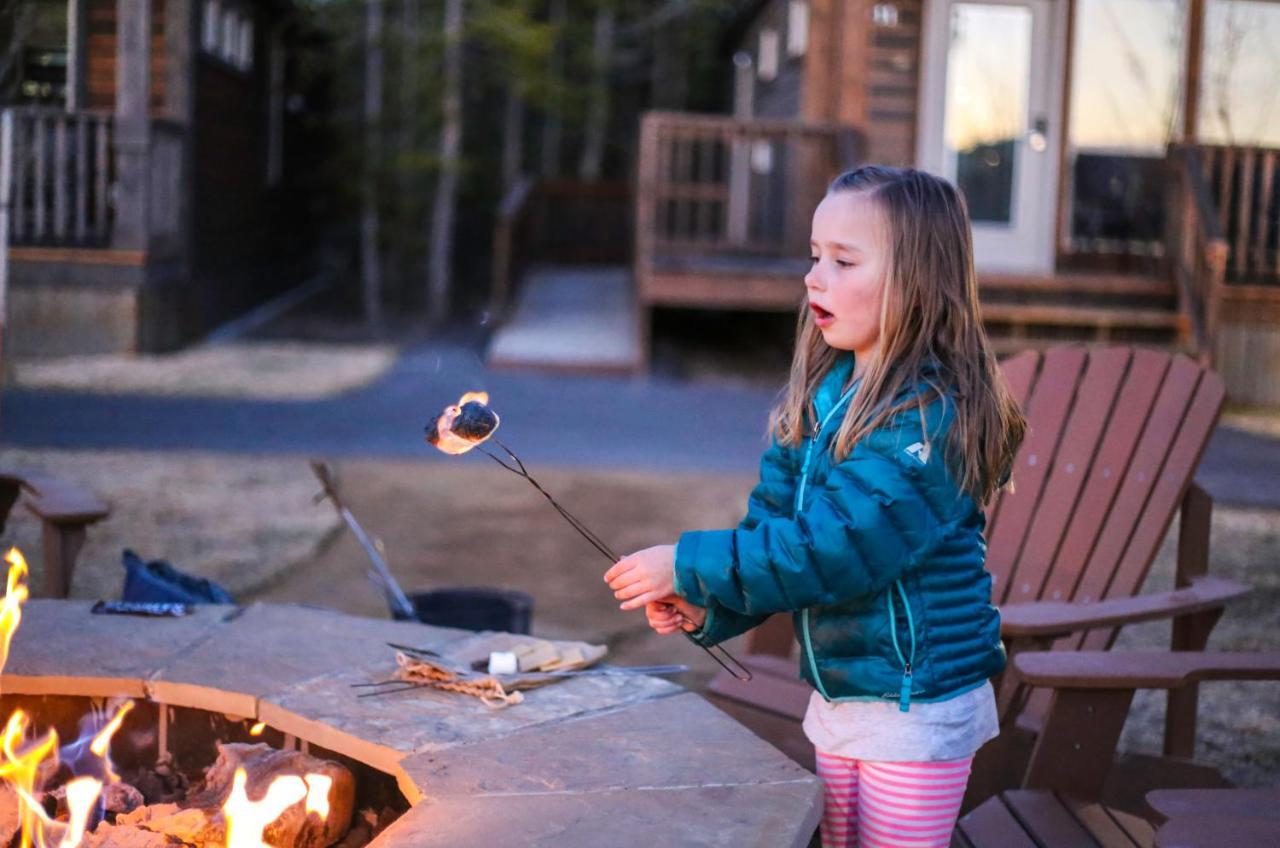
{"x": 591, "y": 761}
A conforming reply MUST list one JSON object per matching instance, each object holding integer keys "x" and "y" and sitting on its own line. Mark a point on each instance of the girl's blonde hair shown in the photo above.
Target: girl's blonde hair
{"x": 930, "y": 332}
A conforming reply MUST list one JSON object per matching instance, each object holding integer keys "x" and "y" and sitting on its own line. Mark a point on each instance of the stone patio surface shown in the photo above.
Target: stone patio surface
{"x": 595, "y": 760}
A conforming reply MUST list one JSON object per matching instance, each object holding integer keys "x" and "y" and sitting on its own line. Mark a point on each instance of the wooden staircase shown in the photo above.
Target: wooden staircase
{"x": 1028, "y": 311}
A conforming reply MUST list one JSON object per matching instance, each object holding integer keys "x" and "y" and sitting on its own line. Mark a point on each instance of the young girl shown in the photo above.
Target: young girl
{"x": 894, "y": 430}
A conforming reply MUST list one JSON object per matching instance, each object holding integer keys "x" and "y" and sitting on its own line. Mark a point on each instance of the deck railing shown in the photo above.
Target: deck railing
{"x": 1196, "y": 249}
{"x": 565, "y": 222}
{"x": 1244, "y": 183}
{"x": 60, "y": 172}
{"x": 717, "y": 184}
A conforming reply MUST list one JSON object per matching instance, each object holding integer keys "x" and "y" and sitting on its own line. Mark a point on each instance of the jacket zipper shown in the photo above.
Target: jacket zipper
{"x": 904, "y": 689}
{"x": 796, "y": 508}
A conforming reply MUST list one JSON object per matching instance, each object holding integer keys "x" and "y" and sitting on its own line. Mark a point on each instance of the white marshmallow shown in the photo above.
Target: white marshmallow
{"x": 503, "y": 662}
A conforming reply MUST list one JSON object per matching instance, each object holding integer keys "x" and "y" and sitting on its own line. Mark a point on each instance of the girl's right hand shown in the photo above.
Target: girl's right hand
{"x": 673, "y": 614}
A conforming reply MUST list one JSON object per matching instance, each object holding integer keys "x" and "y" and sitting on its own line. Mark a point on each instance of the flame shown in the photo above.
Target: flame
{"x": 101, "y": 743}
{"x": 318, "y": 794}
{"x": 257, "y": 729}
{"x": 20, "y": 768}
{"x": 480, "y": 397}
{"x": 15, "y": 595}
{"x": 246, "y": 820}
{"x": 82, "y": 796}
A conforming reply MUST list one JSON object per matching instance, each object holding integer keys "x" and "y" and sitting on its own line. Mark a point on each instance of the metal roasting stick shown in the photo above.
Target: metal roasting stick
{"x": 395, "y": 596}
{"x": 737, "y": 670}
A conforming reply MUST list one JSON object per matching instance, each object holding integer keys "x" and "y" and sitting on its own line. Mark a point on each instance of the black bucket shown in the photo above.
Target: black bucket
{"x": 475, "y": 608}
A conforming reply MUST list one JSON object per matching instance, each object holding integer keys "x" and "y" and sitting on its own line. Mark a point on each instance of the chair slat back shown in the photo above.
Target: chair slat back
{"x": 1047, "y": 411}
{"x": 1115, "y": 435}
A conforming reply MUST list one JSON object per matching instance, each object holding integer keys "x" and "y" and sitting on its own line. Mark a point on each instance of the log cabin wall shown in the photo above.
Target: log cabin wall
{"x": 776, "y": 95}
{"x": 238, "y": 227}
{"x": 863, "y": 69}
{"x": 101, "y": 47}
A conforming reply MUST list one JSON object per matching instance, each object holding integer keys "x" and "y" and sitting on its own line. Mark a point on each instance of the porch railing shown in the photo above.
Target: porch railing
{"x": 61, "y": 177}
{"x": 1245, "y": 185}
{"x": 710, "y": 184}
{"x": 557, "y": 221}
{"x": 1196, "y": 249}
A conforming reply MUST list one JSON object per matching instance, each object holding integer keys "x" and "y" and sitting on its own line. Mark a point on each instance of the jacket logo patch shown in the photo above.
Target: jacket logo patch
{"x": 918, "y": 451}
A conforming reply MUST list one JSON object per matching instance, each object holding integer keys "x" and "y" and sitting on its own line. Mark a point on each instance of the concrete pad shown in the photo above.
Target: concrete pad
{"x": 328, "y": 712}
{"x": 571, "y": 318}
{"x": 272, "y": 647}
{"x": 625, "y": 748}
{"x": 765, "y": 815}
{"x": 62, "y": 648}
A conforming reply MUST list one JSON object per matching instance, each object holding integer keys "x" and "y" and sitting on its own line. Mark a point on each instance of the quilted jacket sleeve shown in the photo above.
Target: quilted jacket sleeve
{"x": 775, "y": 493}
{"x": 877, "y": 516}
{"x": 772, "y": 497}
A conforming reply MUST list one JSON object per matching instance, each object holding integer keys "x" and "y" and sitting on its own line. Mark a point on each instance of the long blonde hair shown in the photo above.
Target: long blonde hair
{"x": 930, "y": 332}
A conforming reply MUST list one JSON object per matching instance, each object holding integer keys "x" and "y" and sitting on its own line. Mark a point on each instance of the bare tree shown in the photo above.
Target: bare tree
{"x": 370, "y": 258}
{"x": 598, "y": 102}
{"x": 551, "y": 124}
{"x": 445, "y": 200}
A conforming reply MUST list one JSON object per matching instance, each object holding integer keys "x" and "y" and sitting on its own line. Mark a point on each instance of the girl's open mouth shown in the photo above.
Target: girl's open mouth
{"x": 821, "y": 317}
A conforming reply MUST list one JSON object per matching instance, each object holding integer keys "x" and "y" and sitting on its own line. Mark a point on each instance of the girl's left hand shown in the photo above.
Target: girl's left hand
{"x": 644, "y": 576}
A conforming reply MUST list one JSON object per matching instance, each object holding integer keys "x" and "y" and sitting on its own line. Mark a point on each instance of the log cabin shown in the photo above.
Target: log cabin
{"x": 148, "y": 198}
{"x": 1111, "y": 200}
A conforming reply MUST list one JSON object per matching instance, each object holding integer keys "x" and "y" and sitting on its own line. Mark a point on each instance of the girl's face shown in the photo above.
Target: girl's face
{"x": 845, "y": 286}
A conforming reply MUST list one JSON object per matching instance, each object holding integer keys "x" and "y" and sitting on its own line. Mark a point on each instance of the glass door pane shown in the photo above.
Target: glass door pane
{"x": 1240, "y": 82}
{"x": 987, "y": 80}
{"x": 1126, "y": 97}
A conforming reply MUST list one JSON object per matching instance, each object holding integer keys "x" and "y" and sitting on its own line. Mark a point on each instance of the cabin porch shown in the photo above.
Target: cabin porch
{"x": 722, "y": 209}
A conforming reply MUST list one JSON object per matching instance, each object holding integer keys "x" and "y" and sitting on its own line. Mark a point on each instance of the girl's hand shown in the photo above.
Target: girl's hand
{"x": 673, "y": 614}
{"x": 643, "y": 577}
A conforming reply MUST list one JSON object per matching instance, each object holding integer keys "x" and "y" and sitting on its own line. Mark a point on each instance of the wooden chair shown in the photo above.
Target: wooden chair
{"x": 1069, "y": 794}
{"x": 65, "y": 512}
{"x": 1115, "y": 437}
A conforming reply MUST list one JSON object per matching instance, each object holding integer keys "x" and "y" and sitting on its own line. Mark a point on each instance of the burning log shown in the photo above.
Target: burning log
{"x": 303, "y": 802}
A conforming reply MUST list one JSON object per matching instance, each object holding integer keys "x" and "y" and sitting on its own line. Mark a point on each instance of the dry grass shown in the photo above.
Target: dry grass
{"x": 1260, "y": 421}
{"x": 257, "y": 370}
{"x": 249, "y": 523}
{"x": 239, "y": 520}
{"x": 1239, "y": 727}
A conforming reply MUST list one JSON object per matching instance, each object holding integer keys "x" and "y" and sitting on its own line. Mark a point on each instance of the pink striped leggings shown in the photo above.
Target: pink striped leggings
{"x": 890, "y": 805}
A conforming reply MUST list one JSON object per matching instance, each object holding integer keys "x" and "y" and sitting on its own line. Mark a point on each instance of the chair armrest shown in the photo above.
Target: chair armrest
{"x": 60, "y": 502}
{"x": 1053, "y": 618}
{"x": 1143, "y": 669}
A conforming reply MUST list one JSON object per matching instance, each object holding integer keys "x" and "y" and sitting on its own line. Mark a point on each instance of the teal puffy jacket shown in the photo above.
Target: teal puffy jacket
{"x": 881, "y": 558}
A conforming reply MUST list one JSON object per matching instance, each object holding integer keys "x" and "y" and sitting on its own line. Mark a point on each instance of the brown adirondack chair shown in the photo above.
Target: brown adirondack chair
{"x": 1115, "y": 437}
{"x": 1067, "y": 798}
{"x": 65, "y": 512}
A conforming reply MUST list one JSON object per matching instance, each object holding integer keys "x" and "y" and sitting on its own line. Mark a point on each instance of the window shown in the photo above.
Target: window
{"x": 767, "y": 66}
{"x": 244, "y": 55}
{"x": 230, "y": 34}
{"x": 797, "y": 28}
{"x": 227, "y": 33}
{"x": 212, "y": 25}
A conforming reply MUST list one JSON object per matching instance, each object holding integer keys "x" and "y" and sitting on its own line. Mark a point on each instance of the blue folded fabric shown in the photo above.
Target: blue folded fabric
{"x": 156, "y": 581}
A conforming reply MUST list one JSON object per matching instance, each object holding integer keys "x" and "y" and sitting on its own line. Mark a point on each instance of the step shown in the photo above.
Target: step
{"x": 1008, "y": 345}
{"x": 1078, "y": 281}
{"x": 1078, "y": 316}
{"x": 571, "y": 318}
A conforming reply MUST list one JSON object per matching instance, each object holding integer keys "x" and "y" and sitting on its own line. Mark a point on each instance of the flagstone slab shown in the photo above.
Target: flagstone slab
{"x": 774, "y": 815}
{"x": 625, "y": 748}
{"x": 270, "y": 648}
{"x": 591, "y": 760}
{"x": 62, "y": 648}
{"x": 328, "y": 712}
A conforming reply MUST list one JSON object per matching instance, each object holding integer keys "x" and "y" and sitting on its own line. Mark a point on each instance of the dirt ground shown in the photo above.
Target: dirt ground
{"x": 249, "y": 522}
{"x": 261, "y": 370}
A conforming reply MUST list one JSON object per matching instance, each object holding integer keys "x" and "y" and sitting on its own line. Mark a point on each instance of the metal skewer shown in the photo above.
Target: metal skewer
{"x": 384, "y": 580}
{"x": 737, "y": 670}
